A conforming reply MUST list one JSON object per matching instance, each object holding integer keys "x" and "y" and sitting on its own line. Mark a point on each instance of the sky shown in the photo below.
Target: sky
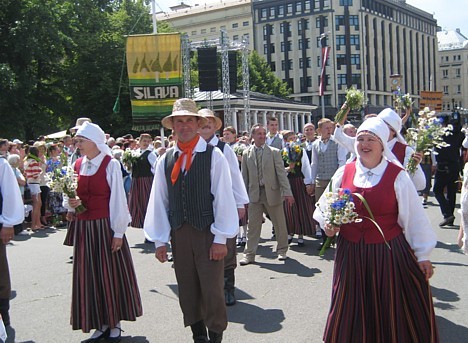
{"x": 449, "y": 13}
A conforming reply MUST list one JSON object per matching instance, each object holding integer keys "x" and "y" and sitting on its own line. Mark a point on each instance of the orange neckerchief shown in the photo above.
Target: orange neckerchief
{"x": 187, "y": 150}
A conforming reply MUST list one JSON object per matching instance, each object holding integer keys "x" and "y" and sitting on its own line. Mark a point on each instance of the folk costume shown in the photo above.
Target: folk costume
{"x": 104, "y": 289}
{"x": 142, "y": 179}
{"x": 380, "y": 293}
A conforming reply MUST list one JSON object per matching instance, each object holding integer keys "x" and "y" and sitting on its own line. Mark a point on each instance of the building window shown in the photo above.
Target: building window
{"x": 354, "y": 21}
{"x": 354, "y": 40}
{"x": 273, "y": 66}
{"x": 356, "y": 59}
{"x": 245, "y": 23}
{"x": 272, "y": 12}
{"x": 308, "y": 82}
{"x": 194, "y": 33}
{"x": 286, "y": 64}
{"x": 280, "y": 11}
{"x": 304, "y": 44}
{"x": 346, "y": 2}
{"x": 319, "y": 43}
{"x": 356, "y": 80}
{"x": 203, "y": 31}
{"x": 213, "y": 29}
{"x": 341, "y": 80}
{"x": 458, "y": 72}
{"x": 340, "y": 40}
{"x": 306, "y": 99}
{"x": 339, "y": 21}
{"x": 318, "y": 21}
{"x": 223, "y": 27}
{"x": 341, "y": 99}
{"x": 235, "y": 37}
{"x": 307, "y": 5}
{"x": 307, "y": 63}
{"x": 458, "y": 89}
{"x": 445, "y": 73}
{"x": 235, "y": 25}
{"x": 299, "y": 7}
{"x": 263, "y": 13}
{"x": 289, "y": 9}
{"x": 446, "y": 90}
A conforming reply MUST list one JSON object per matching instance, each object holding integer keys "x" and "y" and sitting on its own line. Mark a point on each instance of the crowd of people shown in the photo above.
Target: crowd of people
{"x": 206, "y": 193}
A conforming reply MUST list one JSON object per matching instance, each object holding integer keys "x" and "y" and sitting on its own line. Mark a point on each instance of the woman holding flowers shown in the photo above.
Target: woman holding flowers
{"x": 299, "y": 219}
{"x": 382, "y": 268}
{"x": 104, "y": 289}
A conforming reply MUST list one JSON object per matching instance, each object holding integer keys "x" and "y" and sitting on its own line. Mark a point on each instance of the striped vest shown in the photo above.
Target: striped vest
{"x": 190, "y": 198}
{"x": 327, "y": 161}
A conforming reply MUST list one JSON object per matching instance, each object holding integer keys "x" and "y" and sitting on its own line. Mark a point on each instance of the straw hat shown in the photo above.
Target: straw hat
{"x": 182, "y": 107}
{"x": 207, "y": 113}
{"x": 79, "y": 122}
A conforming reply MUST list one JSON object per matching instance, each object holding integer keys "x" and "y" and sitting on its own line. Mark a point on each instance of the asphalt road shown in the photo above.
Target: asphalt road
{"x": 278, "y": 301}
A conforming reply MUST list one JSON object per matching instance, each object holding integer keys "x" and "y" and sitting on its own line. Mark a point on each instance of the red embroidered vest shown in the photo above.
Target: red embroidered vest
{"x": 382, "y": 201}
{"x": 94, "y": 192}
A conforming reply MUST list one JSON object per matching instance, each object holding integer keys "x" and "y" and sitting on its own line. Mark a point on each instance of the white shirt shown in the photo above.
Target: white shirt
{"x": 157, "y": 227}
{"x": 341, "y": 154}
{"x": 238, "y": 185}
{"x": 118, "y": 209}
{"x": 411, "y": 216}
{"x": 13, "y": 208}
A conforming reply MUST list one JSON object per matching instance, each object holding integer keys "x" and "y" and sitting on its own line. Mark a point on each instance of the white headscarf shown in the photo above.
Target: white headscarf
{"x": 391, "y": 118}
{"x": 379, "y": 128}
{"x": 95, "y": 134}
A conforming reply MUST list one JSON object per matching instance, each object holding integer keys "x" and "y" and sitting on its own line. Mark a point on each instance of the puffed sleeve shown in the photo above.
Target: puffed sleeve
{"x": 12, "y": 207}
{"x": 418, "y": 178}
{"x": 118, "y": 209}
{"x": 412, "y": 218}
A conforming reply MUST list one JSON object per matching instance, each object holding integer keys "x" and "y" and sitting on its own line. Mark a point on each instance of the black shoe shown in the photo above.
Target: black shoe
{"x": 215, "y": 337}
{"x": 447, "y": 221}
{"x": 290, "y": 240}
{"x": 104, "y": 335}
{"x": 229, "y": 297}
{"x": 199, "y": 332}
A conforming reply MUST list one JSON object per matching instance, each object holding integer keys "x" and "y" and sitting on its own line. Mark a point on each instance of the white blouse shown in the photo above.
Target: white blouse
{"x": 411, "y": 216}
{"x": 118, "y": 208}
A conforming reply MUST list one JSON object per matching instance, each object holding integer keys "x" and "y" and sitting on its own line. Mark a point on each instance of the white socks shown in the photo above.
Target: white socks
{"x": 115, "y": 332}
{"x": 98, "y": 333}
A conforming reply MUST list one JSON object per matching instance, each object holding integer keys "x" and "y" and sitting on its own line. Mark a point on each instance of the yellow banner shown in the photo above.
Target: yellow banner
{"x": 155, "y": 77}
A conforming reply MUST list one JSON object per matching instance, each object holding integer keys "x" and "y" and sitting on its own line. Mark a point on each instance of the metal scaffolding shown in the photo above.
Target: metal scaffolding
{"x": 225, "y": 76}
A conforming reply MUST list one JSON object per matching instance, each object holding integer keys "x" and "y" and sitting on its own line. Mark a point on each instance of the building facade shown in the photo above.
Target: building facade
{"x": 453, "y": 70}
{"x": 370, "y": 40}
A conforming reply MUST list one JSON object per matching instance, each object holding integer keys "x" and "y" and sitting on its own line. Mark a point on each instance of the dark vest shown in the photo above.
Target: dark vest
{"x": 220, "y": 146}
{"x": 190, "y": 198}
{"x": 142, "y": 168}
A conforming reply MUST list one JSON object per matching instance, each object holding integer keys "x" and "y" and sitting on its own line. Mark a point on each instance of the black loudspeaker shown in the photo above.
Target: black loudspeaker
{"x": 232, "y": 71}
{"x": 207, "y": 69}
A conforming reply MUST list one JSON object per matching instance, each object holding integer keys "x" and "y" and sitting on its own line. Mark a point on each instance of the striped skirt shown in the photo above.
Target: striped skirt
{"x": 299, "y": 216}
{"x": 379, "y": 295}
{"x": 138, "y": 200}
{"x": 105, "y": 289}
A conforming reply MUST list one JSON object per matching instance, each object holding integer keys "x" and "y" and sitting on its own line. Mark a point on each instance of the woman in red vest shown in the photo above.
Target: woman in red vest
{"x": 104, "y": 289}
{"x": 380, "y": 284}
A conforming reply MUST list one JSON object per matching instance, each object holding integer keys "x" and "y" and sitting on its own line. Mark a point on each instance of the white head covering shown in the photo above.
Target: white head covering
{"x": 391, "y": 118}
{"x": 94, "y": 133}
{"x": 378, "y": 128}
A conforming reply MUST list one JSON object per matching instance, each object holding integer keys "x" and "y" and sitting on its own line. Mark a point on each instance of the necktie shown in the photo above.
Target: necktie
{"x": 259, "y": 156}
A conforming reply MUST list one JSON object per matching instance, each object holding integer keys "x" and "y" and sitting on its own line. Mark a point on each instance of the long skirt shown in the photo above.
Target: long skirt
{"x": 105, "y": 289}
{"x": 299, "y": 216}
{"x": 379, "y": 295}
{"x": 138, "y": 200}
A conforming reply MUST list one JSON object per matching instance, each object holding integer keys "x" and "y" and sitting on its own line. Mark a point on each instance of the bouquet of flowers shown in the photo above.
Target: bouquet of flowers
{"x": 130, "y": 157}
{"x": 339, "y": 210}
{"x": 64, "y": 180}
{"x": 402, "y": 101}
{"x": 427, "y": 134}
{"x": 355, "y": 100}
{"x": 292, "y": 154}
{"x": 239, "y": 149}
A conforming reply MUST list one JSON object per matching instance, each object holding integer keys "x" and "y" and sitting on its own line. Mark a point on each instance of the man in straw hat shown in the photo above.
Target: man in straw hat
{"x": 207, "y": 132}
{"x": 192, "y": 204}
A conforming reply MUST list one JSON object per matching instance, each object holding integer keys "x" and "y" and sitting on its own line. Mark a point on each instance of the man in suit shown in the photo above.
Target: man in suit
{"x": 266, "y": 182}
